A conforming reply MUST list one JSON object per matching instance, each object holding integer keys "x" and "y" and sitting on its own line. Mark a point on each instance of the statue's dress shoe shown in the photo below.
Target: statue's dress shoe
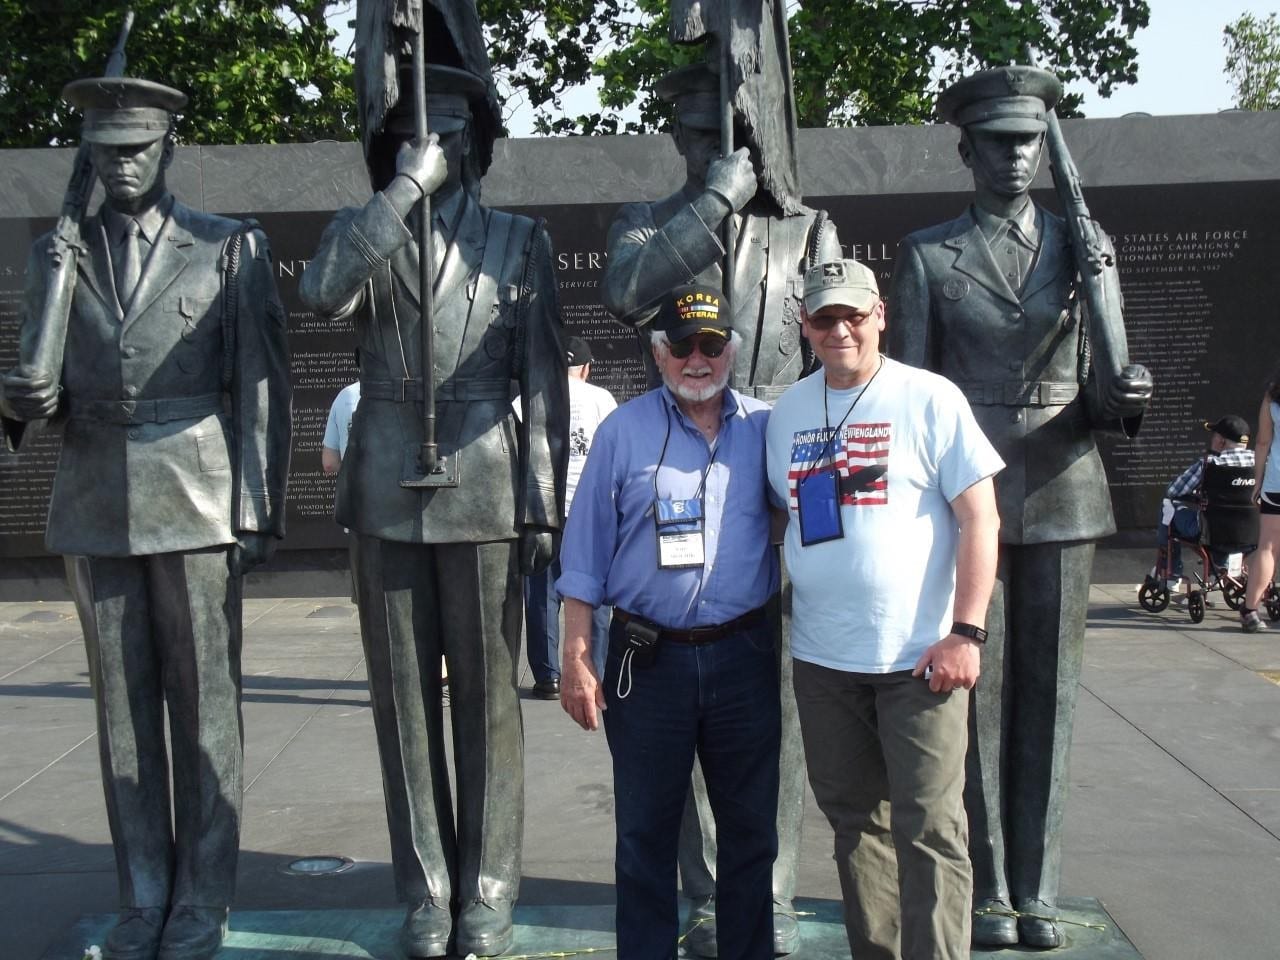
{"x": 547, "y": 689}
{"x": 786, "y": 928}
{"x": 1034, "y": 931}
{"x": 426, "y": 929}
{"x": 994, "y": 924}
{"x": 484, "y": 928}
{"x": 193, "y": 933}
{"x": 700, "y": 930}
{"x": 136, "y": 935}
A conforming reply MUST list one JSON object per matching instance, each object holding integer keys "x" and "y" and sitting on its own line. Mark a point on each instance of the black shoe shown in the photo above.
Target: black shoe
{"x": 136, "y": 935}
{"x": 994, "y": 924}
{"x": 786, "y": 928}
{"x": 547, "y": 689}
{"x": 1038, "y": 930}
{"x": 484, "y": 926}
{"x": 193, "y": 933}
{"x": 700, "y": 932}
{"x": 426, "y": 930}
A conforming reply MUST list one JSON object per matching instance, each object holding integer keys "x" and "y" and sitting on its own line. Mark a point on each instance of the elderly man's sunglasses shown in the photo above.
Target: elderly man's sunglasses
{"x": 710, "y": 346}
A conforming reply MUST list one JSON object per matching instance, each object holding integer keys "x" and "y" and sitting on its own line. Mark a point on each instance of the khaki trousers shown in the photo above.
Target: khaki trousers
{"x": 886, "y": 763}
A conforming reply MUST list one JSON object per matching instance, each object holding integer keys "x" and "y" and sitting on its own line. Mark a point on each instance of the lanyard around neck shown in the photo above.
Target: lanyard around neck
{"x": 826, "y": 418}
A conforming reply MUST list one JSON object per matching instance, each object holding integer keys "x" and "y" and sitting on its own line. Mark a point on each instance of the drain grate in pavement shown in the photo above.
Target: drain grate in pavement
{"x": 44, "y": 616}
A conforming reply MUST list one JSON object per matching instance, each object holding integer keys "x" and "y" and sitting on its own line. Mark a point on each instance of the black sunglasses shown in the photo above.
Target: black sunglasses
{"x": 827, "y": 321}
{"x": 710, "y": 346}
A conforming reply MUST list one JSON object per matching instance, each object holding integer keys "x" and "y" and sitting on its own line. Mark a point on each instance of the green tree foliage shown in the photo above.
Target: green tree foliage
{"x": 854, "y": 61}
{"x": 1253, "y": 61}
{"x": 257, "y": 71}
{"x": 262, "y": 71}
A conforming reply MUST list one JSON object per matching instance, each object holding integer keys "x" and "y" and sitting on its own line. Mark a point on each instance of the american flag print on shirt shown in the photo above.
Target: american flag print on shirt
{"x": 860, "y": 456}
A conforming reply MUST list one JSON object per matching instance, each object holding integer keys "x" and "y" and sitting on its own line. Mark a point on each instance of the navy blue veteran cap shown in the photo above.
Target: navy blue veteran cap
{"x": 1012, "y": 99}
{"x": 696, "y": 308}
{"x": 695, "y": 92}
{"x": 123, "y": 110}
{"x": 450, "y": 93}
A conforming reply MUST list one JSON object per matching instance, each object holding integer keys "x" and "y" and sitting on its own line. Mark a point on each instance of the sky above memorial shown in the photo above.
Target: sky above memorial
{"x": 1181, "y": 60}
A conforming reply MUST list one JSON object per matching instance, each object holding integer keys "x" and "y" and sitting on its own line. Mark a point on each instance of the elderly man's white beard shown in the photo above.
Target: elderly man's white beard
{"x": 697, "y": 394}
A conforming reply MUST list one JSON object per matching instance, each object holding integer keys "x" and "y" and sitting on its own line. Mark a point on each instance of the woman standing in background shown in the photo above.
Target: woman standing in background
{"x": 1266, "y": 493}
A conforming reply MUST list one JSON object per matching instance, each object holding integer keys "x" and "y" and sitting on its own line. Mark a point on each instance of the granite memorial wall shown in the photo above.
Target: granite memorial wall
{"x": 1191, "y": 202}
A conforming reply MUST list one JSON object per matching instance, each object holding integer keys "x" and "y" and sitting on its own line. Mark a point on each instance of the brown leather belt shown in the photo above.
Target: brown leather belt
{"x": 158, "y": 410}
{"x": 696, "y": 635}
{"x": 1019, "y": 393}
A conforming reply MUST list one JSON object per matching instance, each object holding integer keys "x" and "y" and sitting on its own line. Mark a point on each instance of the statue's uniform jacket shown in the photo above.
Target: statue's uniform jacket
{"x": 175, "y": 439}
{"x": 654, "y": 247}
{"x": 496, "y": 333}
{"x": 130, "y": 489}
{"x": 952, "y": 311}
{"x": 437, "y": 570}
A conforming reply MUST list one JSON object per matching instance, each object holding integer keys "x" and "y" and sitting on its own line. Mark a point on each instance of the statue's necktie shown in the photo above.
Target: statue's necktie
{"x": 130, "y": 265}
{"x": 439, "y": 245}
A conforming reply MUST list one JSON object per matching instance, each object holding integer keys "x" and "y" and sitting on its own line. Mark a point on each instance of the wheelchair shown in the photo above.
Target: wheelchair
{"x": 1228, "y": 525}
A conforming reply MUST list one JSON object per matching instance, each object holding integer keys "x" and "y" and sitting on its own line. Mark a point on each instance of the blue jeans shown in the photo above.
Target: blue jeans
{"x": 719, "y": 700}
{"x": 542, "y": 626}
{"x": 1185, "y": 524}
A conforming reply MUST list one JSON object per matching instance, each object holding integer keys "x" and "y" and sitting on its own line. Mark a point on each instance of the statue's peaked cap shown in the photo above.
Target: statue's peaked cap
{"x": 694, "y": 90}
{"x": 694, "y": 78}
{"x": 452, "y": 96}
{"x": 1012, "y": 99}
{"x": 123, "y": 110}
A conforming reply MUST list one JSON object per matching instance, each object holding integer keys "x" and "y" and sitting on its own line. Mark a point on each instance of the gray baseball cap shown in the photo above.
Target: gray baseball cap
{"x": 846, "y": 283}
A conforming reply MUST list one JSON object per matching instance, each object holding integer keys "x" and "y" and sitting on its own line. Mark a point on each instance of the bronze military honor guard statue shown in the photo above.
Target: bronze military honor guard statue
{"x": 1021, "y": 309}
{"x": 738, "y": 223}
{"x": 455, "y": 310}
{"x": 172, "y": 397}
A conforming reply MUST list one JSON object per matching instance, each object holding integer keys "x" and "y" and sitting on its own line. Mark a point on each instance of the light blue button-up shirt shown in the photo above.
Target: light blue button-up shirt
{"x": 610, "y": 548}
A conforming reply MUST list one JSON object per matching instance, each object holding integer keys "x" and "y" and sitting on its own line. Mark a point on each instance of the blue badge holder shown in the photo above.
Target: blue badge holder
{"x": 818, "y": 497}
{"x": 678, "y": 516}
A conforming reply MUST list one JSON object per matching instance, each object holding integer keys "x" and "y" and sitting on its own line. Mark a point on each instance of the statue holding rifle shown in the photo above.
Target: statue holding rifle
{"x": 152, "y": 337}
{"x": 1022, "y": 310}
{"x": 449, "y": 497}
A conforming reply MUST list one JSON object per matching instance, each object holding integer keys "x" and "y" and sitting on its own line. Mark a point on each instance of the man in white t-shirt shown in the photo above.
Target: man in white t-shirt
{"x": 588, "y": 406}
{"x": 891, "y": 545}
{"x": 334, "y": 446}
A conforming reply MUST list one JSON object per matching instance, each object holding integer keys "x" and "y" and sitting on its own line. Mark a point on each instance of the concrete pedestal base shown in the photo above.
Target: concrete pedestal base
{"x": 557, "y": 931}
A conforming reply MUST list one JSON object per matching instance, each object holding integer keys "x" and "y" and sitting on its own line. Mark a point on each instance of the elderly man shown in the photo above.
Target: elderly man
{"x": 654, "y": 246}
{"x": 891, "y": 545}
{"x": 992, "y": 301}
{"x": 438, "y": 567}
{"x": 670, "y": 525}
{"x": 1228, "y": 446}
{"x": 173, "y": 403}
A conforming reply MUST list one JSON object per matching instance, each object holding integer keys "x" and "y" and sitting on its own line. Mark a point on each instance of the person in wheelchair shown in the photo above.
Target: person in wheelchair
{"x": 1181, "y": 507}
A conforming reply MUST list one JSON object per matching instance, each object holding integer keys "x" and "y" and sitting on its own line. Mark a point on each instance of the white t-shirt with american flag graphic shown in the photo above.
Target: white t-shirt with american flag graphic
{"x": 874, "y": 599}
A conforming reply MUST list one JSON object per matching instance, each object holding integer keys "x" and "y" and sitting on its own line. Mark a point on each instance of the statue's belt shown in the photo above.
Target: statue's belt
{"x": 1019, "y": 393}
{"x": 769, "y": 393}
{"x": 159, "y": 410}
{"x": 406, "y": 391}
